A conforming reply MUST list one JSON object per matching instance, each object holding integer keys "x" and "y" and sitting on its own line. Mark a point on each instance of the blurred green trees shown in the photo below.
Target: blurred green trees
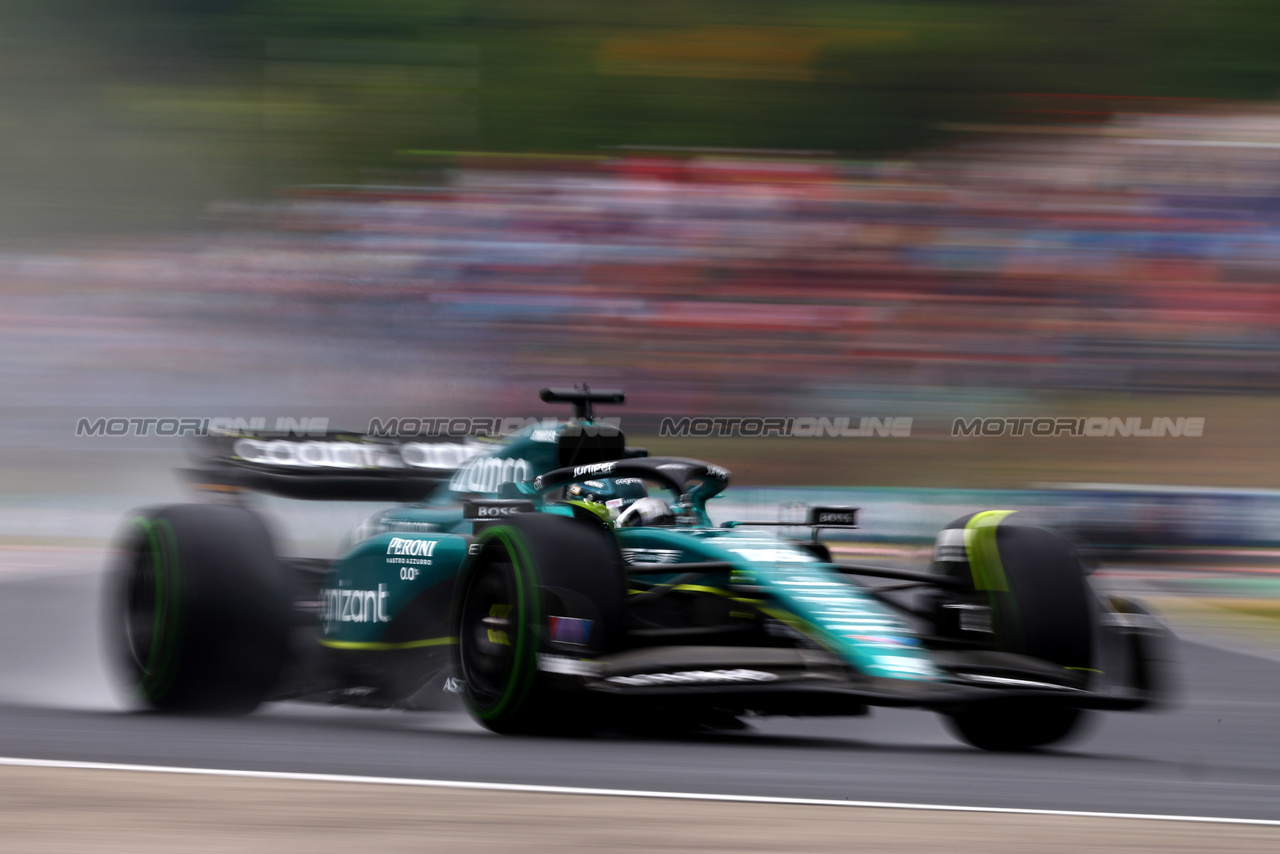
{"x": 850, "y": 77}
{"x": 220, "y": 97}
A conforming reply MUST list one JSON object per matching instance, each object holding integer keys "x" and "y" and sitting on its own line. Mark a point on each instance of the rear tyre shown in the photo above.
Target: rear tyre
{"x": 201, "y": 610}
{"x": 1041, "y": 607}
{"x": 528, "y": 571}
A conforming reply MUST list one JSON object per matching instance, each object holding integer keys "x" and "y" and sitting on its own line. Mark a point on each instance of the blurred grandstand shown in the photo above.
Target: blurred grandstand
{"x": 1142, "y": 256}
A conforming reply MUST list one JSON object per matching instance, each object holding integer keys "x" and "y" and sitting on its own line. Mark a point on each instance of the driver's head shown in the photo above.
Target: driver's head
{"x": 607, "y": 497}
{"x": 647, "y": 512}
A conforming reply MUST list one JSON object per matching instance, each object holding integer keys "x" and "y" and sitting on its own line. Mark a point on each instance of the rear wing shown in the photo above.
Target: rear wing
{"x": 333, "y": 467}
{"x": 341, "y": 466}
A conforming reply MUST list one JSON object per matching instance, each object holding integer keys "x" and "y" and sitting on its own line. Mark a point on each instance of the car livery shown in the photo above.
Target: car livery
{"x": 552, "y": 615}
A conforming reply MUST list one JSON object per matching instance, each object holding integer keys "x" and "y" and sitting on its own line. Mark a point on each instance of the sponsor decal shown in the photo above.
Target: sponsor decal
{"x": 494, "y": 508}
{"x": 694, "y": 677}
{"x": 335, "y": 455}
{"x": 718, "y": 473}
{"x": 570, "y": 630}
{"x": 641, "y": 556}
{"x": 341, "y": 605}
{"x": 833, "y": 515}
{"x": 404, "y": 547}
{"x": 486, "y": 474}
{"x": 486, "y": 512}
{"x": 438, "y": 455}
{"x": 353, "y": 455}
{"x": 409, "y": 573}
{"x": 442, "y": 456}
{"x": 483, "y": 512}
{"x": 594, "y": 468}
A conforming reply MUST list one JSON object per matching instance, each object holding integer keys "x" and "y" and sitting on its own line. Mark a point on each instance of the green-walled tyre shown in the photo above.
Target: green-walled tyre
{"x": 528, "y": 571}
{"x": 200, "y": 609}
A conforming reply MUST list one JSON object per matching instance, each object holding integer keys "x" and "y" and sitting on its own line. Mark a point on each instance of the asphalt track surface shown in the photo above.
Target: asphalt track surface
{"x": 1215, "y": 753}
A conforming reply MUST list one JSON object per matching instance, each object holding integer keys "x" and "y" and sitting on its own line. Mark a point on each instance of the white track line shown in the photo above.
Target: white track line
{"x": 616, "y": 793}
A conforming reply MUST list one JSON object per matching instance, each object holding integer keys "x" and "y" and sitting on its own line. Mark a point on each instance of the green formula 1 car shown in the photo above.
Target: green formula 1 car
{"x": 563, "y": 582}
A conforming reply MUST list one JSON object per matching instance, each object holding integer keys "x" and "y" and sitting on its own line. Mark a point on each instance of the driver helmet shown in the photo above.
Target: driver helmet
{"x": 647, "y": 512}
{"x": 608, "y": 498}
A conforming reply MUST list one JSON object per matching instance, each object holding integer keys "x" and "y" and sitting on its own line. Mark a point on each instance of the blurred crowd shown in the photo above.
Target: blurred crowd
{"x": 1143, "y": 255}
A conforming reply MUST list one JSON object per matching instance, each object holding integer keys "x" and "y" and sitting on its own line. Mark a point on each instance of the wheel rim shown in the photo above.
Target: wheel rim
{"x": 488, "y": 632}
{"x": 141, "y": 610}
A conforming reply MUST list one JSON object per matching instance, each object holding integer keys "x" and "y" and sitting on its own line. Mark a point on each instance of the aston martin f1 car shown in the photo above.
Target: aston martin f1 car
{"x": 561, "y": 582}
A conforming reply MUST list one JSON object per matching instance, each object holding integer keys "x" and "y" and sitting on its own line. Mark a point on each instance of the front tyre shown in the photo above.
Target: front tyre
{"x": 496, "y": 640}
{"x": 527, "y": 572}
{"x": 1009, "y": 725}
{"x": 1041, "y": 607}
{"x": 201, "y": 609}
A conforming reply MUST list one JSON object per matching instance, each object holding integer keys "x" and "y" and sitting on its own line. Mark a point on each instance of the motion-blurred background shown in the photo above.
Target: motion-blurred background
{"x": 934, "y": 210}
